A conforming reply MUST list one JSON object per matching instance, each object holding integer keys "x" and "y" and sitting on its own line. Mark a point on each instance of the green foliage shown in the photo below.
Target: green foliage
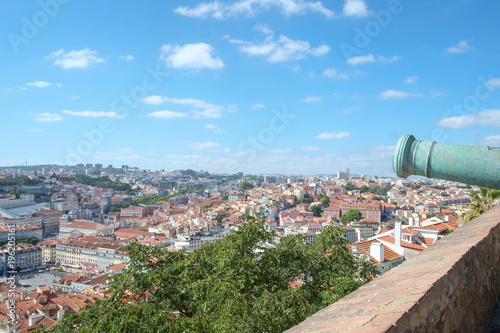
{"x": 32, "y": 241}
{"x": 363, "y": 189}
{"x": 218, "y": 218}
{"x": 103, "y": 182}
{"x": 18, "y": 192}
{"x": 317, "y": 211}
{"x": 146, "y": 200}
{"x": 306, "y": 200}
{"x": 23, "y": 180}
{"x": 361, "y": 198}
{"x": 325, "y": 201}
{"x": 246, "y": 186}
{"x": 351, "y": 215}
{"x": 225, "y": 198}
{"x": 227, "y": 286}
{"x": 402, "y": 192}
{"x": 483, "y": 200}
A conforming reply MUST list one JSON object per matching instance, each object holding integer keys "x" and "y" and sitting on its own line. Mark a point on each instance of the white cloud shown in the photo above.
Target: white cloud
{"x": 75, "y": 59}
{"x": 313, "y": 99}
{"x": 197, "y": 146}
{"x": 355, "y": 8}
{"x": 461, "y": 47}
{"x": 127, "y": 57}
{"x": 202, "y": 109}
{"x": 258, "y": 106}
{"x": 190, "y": 56}
{"x": 359, "y": 60}
{"x": 155, "y": 100}
{"x": 281, "y": 49}
{"x": 388, "y": 59}
{"x": 350, "y": 110}
{"x": 46, "y": 117}
{"x": 494, "y": 83}
{"x": 33, "y": 130}
{"x": 93, "y": 114}
{"x": 213, "y": 128}
{"x": 435, "y": 94}
{"x": 491, "y": 140}
{"x": 280, "y": 151}
{"x": 483, "y": 118}
{"x": 411, "y": 79}
{"x": 389, "y": 94}
{"x": 334, "y": 74}
{"x": 39, "y": 84}
{"x": 489, "y": 117}
{"x": 310, "y": 148}
{"x": 457, "y": 122}
{"x": 333, "y": 135}
{"x": 248, "y": 8}
{"x": 167, "y": 115}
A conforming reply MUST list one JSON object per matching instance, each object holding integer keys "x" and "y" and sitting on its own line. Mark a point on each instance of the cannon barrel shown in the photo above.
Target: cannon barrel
{"x": 465, "y": 164}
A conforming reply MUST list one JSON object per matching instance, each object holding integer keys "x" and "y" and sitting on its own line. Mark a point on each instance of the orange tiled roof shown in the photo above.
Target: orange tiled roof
{"x": 364, "y": 248}
{"x": 405, "y": 244}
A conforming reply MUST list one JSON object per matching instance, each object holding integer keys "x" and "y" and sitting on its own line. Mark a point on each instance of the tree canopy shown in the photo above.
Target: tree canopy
{"x": 22, "y": 180}
{"x": 325, "y": 201}
{"x": 246, "y": 186}
{"x": 351, "y": 215}
{"x": 483, "y": 201}
{"x": 316, "y": 210}
{"x": 233, "y": 285}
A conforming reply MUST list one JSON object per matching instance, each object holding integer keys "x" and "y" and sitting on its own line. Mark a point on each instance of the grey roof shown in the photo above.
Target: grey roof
{"x": 21, "y": 211}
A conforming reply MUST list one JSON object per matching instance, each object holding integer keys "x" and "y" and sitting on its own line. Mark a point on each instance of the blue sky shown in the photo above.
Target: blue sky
{"x": 257, "y": 86}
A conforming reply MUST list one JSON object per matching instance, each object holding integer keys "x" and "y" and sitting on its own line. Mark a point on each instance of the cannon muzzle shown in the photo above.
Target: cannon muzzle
{"x": 459, "y": 163}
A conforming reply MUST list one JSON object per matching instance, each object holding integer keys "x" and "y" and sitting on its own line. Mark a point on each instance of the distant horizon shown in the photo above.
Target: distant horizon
{"x": 104, "y": 167}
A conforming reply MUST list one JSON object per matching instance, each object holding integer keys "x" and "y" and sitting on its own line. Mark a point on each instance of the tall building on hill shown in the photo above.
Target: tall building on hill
{"x": 344, "y": 174}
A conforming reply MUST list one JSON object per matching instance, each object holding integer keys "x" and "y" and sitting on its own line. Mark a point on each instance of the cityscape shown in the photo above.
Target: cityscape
{"x": 249, "y": 166}
{"x": 74, "y": 222}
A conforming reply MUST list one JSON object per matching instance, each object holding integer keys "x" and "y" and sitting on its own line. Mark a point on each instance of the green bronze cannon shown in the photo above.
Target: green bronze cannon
{"x": 459, "y": 163}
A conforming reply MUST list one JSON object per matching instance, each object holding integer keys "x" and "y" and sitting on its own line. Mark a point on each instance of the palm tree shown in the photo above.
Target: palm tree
{"x": 483, "y": 200}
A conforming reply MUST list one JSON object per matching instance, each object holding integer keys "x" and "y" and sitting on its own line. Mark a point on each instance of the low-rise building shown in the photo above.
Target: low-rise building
{"x": 191, "y": 241}
{"x": 48, "y": 251}
{"x": 20, "y": 232}
{"x": 50, "y": 222}
{"x": 25, "y": 256}
{"x": 79, "y": 254}
{"x": 83, "y": 227}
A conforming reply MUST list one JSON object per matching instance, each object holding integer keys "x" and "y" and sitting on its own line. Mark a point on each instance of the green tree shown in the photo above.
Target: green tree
{"x": 18, "y": 192}
{"x": 219, "y": 218}
{"x": 351, "y": 215}
{"x": 229, "y": 286}
{"x": 483, "y": 200}
{"x": 325, "y": 201}
{"x": 361, "y": 198}
{"x": 306, "y": 200}
{"x": 246, "y": 186}
{"x": 317, "y": 211}
{"x": 225, "y": 198}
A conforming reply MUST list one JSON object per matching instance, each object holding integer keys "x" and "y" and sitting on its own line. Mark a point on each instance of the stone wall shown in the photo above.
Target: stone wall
{"x": 450, "y": 287}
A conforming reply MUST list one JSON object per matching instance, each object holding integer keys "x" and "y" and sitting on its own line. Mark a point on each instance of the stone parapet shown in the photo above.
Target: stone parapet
{"x": 450, "y": 287}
